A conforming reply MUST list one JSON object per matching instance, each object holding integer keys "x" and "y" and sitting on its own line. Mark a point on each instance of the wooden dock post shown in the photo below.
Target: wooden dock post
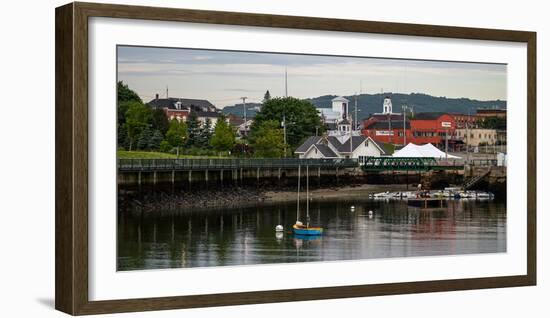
{"x": 319, "y": 176}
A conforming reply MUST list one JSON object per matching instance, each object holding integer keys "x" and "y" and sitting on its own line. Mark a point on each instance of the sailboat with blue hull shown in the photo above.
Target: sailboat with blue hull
{"x": 300, "y": 228}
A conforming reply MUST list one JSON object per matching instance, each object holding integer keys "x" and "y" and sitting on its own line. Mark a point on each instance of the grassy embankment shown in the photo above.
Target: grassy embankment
{"x": 123, "y": 154}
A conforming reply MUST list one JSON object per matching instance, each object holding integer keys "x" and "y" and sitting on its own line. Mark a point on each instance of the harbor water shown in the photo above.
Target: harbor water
{"x": 245, "y": 236}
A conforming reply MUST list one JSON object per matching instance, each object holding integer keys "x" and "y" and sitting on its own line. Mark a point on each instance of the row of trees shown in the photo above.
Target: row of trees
{"x": 267, "y": 132}
{"x": 140, "y": 127}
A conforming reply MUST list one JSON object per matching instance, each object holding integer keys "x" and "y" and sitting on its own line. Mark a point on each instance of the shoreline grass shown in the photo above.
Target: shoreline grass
{"x": 125, "y": 154}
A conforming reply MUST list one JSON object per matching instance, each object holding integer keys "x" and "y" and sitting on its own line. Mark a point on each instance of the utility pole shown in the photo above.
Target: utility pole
{"x": 244, "y": 110}
{"x": 446, "y": 143}
{"x": 355, "y": 115}
{"x": 284, "y": 133}
{"x": 468, "y": 138}
{"x": 404, "y": 125}
{"x": 167, "y": 92}
{"x": 390, "y": 132}
{"x": 286, "y": 83}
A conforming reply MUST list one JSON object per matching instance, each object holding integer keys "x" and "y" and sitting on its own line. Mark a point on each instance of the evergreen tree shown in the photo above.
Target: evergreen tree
{"x": 124, "y": 94}
{"x": 205, "y": 134}
{"x": 267, "y": 96}
{"x": 122, "y": 137}
{"x": 193, "y": 129}
{"x": 144, "y": 139}
{"x": 223, "y": 138}
{"x": 156, "y": 139}
{"x": 160, "y": 121}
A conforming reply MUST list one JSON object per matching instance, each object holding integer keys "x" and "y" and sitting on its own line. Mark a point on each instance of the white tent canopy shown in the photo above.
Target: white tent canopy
{"x": 417, "y": 151}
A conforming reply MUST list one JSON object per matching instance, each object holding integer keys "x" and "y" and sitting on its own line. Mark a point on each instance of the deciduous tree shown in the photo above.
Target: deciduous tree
{"x": 177, "y": 133}
{"x": 302, "y": 118}
{"x": 267, "y": 140}
{"x": 223, "y": 138}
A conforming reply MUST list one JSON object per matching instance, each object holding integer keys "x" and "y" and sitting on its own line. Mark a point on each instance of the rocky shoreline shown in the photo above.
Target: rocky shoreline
{"x": 237, "y": 197}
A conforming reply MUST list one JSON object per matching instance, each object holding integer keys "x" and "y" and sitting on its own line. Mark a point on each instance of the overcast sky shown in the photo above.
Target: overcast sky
{"x": 222, "y": 77}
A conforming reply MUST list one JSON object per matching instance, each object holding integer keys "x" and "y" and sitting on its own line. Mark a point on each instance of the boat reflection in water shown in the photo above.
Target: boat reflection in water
{"x": 244, "y": 236}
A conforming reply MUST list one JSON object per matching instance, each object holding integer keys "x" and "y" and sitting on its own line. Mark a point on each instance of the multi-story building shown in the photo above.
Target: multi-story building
{"x": 180, "y": 108}
{"x": 465, "y": 120}
{"x": 478, "y": 136}
{"x": 423, "y": 128}
{"x": 490, "y": 112}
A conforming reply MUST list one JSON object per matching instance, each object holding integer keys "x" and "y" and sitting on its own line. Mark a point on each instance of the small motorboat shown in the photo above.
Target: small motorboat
{"x": 382, "y": 195}
{"x": 484, "y": 195}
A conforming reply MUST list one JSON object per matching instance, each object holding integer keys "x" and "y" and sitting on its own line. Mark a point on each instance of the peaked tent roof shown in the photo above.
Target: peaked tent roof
{"x": 424, "y": 151}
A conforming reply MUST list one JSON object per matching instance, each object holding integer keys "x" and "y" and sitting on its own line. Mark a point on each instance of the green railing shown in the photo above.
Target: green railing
{"x": 409, "y": 164}
{"x": 221, "y": 163}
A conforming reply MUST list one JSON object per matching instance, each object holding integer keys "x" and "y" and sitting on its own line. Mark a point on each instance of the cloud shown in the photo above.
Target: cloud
{"x": 219, "y": 75}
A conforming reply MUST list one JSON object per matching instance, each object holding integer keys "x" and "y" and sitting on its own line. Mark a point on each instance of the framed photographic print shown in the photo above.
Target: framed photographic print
{"x": 211, "y": 158}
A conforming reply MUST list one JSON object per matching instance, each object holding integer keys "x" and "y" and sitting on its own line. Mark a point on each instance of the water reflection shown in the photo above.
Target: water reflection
{"x": 172, "y": 239}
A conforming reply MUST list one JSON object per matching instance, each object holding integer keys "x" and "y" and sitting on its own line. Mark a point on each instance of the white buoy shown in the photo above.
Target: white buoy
{"x": 371, "y": 213}
{"x": 279, "y": 228}
{"x": 352, "y": 208}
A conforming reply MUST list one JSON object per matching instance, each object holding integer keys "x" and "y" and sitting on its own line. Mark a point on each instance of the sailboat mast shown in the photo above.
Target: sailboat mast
{"x": 307, "y": 196}
{"x": 298, "y": 201}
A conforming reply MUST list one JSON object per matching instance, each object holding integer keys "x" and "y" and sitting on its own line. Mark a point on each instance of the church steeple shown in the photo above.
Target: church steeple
{"x": 387, "y": 106}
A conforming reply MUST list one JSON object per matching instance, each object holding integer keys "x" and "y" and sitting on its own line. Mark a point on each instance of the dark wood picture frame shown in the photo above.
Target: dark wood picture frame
{"x": 71, "y": 155}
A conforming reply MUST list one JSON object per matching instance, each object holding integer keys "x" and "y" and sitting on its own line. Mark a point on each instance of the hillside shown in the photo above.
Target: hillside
{"x": 372, "y": 103}
{"x": 237, "y": 109}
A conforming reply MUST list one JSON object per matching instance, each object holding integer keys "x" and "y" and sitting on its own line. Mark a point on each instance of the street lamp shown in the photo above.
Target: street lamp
{"x": 404, "y": 107}
{"x": 283, "y": 124}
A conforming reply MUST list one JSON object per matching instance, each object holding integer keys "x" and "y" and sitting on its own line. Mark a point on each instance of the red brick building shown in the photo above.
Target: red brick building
{"x": 432, "y": 128}
{"x": 180, "y": 115}
{"x": 422, "y": 129}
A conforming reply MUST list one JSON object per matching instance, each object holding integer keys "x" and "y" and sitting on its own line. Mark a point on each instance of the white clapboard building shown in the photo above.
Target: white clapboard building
{"x": 332, "y": 147}
{"x": 341, "y": 139}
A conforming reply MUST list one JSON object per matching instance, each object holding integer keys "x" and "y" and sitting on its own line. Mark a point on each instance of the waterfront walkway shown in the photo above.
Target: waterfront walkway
{"x": 151, "y": 165}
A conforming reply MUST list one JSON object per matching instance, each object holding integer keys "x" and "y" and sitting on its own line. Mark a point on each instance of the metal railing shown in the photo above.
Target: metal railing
{"x": 410, "y": 164}
{"x": 483, "y": 162}
{"x": 229, "y": 163}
